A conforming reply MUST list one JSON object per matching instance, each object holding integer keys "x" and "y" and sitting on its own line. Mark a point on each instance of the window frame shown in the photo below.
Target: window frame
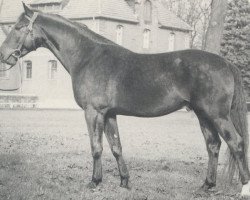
{"x": 119, "y": 34}
{"x": 171, "y": 41}
{"x": 25, "y": 70}
{"x": 146, "y": 39}
{"x": 187, "y": 41}
{"x": 50, "y": 67}
{"x": 147, "y": 12}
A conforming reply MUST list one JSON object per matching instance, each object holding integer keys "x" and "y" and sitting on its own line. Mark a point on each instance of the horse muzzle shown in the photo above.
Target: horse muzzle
{"x": 11, "y": 58}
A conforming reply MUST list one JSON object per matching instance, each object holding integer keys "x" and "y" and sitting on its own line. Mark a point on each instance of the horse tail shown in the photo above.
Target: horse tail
{"x": 239, "y": 119}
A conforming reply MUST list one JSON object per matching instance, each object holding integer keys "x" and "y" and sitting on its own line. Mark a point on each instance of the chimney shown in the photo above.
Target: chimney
{"x": 131, "y": 3}
{"x": 64, "y": 3}
{"x": 135, "y": 5}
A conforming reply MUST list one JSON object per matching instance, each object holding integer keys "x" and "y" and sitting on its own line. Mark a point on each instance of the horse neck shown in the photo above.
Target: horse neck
{"x": 64, "y": 40}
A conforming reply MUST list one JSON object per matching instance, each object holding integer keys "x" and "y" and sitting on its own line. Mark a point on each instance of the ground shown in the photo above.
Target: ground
{"x": 46, "y": 155}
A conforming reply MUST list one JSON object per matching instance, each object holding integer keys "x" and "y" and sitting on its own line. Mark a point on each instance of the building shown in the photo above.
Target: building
{"x": 143, "y": 26}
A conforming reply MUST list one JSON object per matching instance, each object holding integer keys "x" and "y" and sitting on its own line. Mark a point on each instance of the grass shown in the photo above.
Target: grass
{"x": 46, "y": 155}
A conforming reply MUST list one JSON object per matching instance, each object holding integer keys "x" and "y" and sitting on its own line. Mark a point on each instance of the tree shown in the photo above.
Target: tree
{"x": 235, "y": 46}
{"x": 196, "y": 13}
{"x": 216, "y": 26}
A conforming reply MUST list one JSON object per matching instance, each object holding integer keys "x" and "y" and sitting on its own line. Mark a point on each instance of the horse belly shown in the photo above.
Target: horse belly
{"x": 148, "y": 101}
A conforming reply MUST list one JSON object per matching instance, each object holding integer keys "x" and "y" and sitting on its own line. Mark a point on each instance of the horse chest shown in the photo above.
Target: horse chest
{"x": 88, "y": 94}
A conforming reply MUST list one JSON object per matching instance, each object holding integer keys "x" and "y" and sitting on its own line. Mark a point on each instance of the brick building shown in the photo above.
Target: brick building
{"x": 143, "y": 26}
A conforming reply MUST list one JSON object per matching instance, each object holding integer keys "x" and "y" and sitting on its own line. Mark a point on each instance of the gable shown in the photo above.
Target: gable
{"x": 113, "y": 9}
{"x": 168, "y": 19}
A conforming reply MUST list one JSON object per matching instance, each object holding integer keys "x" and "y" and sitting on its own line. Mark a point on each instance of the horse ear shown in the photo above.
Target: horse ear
{"x": 27, "y": 11}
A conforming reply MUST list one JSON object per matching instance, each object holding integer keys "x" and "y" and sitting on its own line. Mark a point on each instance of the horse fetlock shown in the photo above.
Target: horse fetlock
{"x": 96, "y": 180}
{"x": 208, "y": 185}
{"x": 214, "y": 149}
{"x": 125, "y": 183}
{"x": 93, "y": 184}
{"x": 245, "y": 192}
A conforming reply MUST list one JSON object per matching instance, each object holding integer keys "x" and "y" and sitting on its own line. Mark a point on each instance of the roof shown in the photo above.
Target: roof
{"x": 36, "y": 2}
{"x": 167, "y": 19}
{"x": 114, "y": 9}
{"x": 11, "y": 9}
{"x": 80, "y": 9}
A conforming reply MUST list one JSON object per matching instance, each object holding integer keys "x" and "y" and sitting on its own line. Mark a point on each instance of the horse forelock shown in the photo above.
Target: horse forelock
{"x": 22, "y": 20}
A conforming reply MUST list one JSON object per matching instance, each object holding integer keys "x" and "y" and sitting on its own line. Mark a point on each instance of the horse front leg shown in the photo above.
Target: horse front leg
{"x": 95, "y": 123}
{"x": 112, "y": 135}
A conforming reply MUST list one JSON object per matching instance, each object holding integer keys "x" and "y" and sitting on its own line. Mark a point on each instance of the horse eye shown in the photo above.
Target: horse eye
{"x": 18, "y": 27}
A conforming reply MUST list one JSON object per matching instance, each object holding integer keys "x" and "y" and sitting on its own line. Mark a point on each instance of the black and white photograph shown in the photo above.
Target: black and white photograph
{"x": 124, "y": 99}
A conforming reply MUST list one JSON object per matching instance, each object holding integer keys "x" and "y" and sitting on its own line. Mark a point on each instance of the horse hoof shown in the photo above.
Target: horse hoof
{"x": 200, "y": 193}
{"x": 204, "y": 192}
{"x": 245, "y": 192}
{"x": 125, "y": 183}
{"x": 91, "y": 185}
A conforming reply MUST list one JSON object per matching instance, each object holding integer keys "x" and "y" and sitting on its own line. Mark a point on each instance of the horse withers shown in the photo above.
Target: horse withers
{"x": 109, "y": 80}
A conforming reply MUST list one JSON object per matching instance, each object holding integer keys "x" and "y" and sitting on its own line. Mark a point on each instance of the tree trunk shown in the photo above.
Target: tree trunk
{"x": 1, "y": 5}
{"x": 216, "y": 26}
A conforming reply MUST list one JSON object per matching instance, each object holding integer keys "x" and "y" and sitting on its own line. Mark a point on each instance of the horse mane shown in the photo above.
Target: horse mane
{"x": 94, "y": 36}
{"x": 82, "y": 29}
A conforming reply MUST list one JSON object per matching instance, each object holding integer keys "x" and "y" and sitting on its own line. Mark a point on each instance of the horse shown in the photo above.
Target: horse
{"x": 109, "y": 80}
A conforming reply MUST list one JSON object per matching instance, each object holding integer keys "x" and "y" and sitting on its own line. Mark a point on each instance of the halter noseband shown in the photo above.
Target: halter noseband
{"x": 17, "y": 51}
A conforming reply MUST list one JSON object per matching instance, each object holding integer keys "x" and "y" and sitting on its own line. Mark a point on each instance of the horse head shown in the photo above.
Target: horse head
{"x": 21, "y": 40}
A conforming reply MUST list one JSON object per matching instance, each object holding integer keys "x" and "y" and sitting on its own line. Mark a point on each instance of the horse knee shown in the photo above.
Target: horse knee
{"x": 214, "y": 148}
{"x": 116, "y": 151}
{"x": 97, "y": 152}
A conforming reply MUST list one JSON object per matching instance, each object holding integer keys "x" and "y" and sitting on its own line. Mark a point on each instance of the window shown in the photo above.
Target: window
{"x": 147, "y": 11}
{"x": 27, "y": 69}
{"x": 119, "y": 34}
{"x": 146, "y": 38}
{"x": 52, "y": 69}
{"x": 4, "y": 74}
{"x": 171, "y": 42}
{"x": 9, "y": 28}
{"x": 186, "y": 41}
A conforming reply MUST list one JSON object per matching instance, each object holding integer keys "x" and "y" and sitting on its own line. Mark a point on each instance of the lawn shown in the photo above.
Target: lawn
{"x": 45, "y": 154}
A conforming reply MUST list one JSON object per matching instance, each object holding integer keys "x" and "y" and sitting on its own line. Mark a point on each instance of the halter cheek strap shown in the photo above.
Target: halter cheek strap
{"x": 17, "y": 52}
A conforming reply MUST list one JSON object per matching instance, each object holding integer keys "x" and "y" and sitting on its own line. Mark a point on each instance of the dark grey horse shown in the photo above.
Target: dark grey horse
{"x": 109, "y": 80}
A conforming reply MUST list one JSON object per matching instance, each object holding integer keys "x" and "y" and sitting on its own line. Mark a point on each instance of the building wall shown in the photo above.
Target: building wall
{"x": 56, "y": 93}
{"x": 133, "y": 36}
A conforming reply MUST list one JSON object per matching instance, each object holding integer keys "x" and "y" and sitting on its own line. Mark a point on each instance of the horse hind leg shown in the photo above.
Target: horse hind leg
{"x": 236, "y": 145}
{"x": 112, "y": 135}
{"x": 213, "y": 144}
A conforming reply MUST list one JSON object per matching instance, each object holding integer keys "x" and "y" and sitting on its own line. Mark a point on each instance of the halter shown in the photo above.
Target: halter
{"x": 17, "y": 51}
